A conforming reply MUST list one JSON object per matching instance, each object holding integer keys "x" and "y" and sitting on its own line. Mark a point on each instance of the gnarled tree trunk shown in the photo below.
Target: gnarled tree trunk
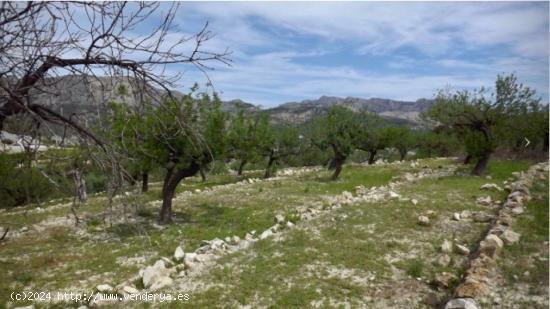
{"x": 402, "y": 154}
{"x": 467, "y": 159}
{"x": 203, "y": 174}
{"x": 372, "y": 156}
{"x": 173, "y": 177}
{"x": 272, "y": 160}
{"x": 241, "y": 167}
{"x": 481, "y": 164}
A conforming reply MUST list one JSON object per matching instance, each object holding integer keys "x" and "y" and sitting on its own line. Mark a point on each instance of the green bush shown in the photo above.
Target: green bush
{"x": 21, "y": 185}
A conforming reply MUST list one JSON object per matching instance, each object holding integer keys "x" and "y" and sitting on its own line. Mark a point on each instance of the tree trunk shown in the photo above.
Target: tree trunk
{"x": 80, "y": 186}
{"x": 203, "y": 175}
{"x": 268, "y": 168}
{"x": 372, "y": 155}
{"x": 545, "y": 145}
{"x": 171, "y": 181}
{"x": 402, "y": 155}
{"x": 467, "y": 159}
{"x": 481, "y": 165}
{"x": 241, "y": 167}
{"x": 144, "y": 182}
{"x": 338, "y": 162}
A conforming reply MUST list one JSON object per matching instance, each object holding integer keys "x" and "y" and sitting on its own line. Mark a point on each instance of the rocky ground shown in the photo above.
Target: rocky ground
{"x": 400, "y": 235}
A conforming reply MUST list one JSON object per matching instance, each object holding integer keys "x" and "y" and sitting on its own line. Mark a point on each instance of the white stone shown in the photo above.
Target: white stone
{"x": 160, "y": 283}
{"x": 290, "y": 224}
{"x": 456, "y": 216}
{"x": 393, "y": 194}
{"x": 414, "y": 201}
{"x": 130, "y": 290}
{"x": 510, "y": 237}
{"x": 447, "y": 246}
{"x": 236, "y": 239}
{"x": 491, "y": 186}
{"x": 485, "y": 201}
{"x": 461, "y": 303}
{"x": 462, "y": 249}
{"x": 279, "y": 219}
{"x": 423, "y": 220}
{"x": 267, "y": 233}
{"x": 155, "y": 276}
{"x": 104, "y": 288}
{"x": 179, "y": 254}
{"x": 444, "y": 260}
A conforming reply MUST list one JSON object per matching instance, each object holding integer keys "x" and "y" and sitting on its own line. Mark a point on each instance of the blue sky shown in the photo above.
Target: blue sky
{"x": 294, "y": 51}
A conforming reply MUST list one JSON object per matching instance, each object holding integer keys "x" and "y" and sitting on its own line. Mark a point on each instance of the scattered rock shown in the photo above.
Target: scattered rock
{"x": 444, "y": 260}
{"x": 491, "y": 246}
{"x": 447, "y": 246}
{"x": 456, "y": 216}
{"x": 484, "y": 201}
{"x": 465, "y": 214}
{"x": 471, "y": 288}
{"x": 267, "y": 233}
{"x": 510, "y": 237}
{"x": 24, "y": 229}
{"x": 462, "y": 249}
{"x": 179, "y": 254}
{"x": 414, "y": 201}
{"x": 443, "y": 279}
{"x": 279, "y": 219}
{"x": 130, "y": 290}
{"x": 491, "y": 186}
{"x": 156, "y": 276}
{"x": 236, "y": 239}
{"x": 461, "y": 303}
{"x": 482, "y": 217}
{"x": 423, "y": 220}
{"x": 393, "y": 194}
{"x": 104, "y": 288}
{"x": 290, "y": 224}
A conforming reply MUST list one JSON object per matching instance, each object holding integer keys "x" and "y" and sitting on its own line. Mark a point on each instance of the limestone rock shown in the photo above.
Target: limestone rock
{"x": 456, "y": 216}
{"x": 484, "y": 201}
{"x": 279, "y": 219}
{"x": 447, "y": 246}
{"x": 462, "y": 249}
{"x": 267, "y": 233}
{"x": 471, "y": 288}
{"x": 290, "y": 224}
{"x": 491, "y": 186}
{"x": 423, "y": 220}
{"x": 414, "y": 201}
{"x": 461, "y": 303}
{"x": 130, "y": 290}
{"x": 156, "y": 276}
{"x": 482, "y": 217}
{"x": 443, "y": 279}
{"x": 491, "y": 246}
{"x": 104, "y": 288}
{"x": 179, "y": 254}
{"x": 444, "y": 260}
{"x": 510, "y": 237}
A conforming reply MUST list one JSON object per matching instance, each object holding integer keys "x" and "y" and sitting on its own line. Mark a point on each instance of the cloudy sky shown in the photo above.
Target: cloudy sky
{"x": 294, "y": 51}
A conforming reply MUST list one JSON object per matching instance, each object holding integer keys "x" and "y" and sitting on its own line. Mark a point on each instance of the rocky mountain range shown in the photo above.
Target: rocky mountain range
{"x": 86, "y": 97}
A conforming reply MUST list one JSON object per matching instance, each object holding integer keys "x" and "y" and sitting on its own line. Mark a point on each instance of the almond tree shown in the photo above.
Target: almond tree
{"x": 483, "y": 119}
{"x": 180, "y": 135}
{"x": 42, "y": 41}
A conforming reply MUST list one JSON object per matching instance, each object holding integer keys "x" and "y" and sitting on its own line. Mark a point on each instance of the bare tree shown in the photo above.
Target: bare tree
{"x": 41, "y": 41}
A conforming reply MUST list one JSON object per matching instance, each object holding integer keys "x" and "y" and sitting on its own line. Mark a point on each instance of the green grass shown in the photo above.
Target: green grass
{"x": 528, "y": 255}
{"x": 292, "y": 273}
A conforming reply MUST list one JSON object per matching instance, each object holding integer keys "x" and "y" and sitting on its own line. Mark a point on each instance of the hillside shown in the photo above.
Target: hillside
{"x": 87, "y": 97}
{"x": 299, "y": 112}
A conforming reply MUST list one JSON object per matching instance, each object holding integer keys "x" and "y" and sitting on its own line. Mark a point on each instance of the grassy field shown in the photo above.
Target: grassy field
{"x": 360, "y": 255}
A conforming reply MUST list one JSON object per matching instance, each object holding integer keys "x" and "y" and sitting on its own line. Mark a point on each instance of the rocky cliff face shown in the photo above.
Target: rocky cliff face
{"x": 299, "y": 112}
{"x": 87, "y": 98}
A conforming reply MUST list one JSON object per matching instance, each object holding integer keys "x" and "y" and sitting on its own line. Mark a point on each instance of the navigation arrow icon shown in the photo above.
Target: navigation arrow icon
{"x": 528, "y": 142}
